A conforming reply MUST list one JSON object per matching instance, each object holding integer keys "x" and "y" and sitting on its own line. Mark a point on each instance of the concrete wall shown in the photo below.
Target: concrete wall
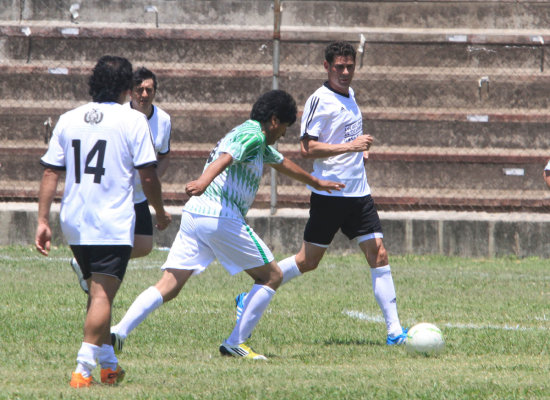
{"x": 465, "y": 234}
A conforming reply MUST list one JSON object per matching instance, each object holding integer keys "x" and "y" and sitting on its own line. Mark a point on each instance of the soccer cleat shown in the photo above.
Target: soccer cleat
{"x": 117, "y": 341}
{"x": 239, "y": 303}
{"x": 78, "y": 381}
{"x": 110, "y": 377}
{"x": 397, "y": 340}
{"x": 240, "y": 350}
{"x": 78, "y": 272}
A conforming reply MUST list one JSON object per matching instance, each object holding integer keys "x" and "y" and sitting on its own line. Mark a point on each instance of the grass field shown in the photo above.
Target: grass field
{"x": 322, "y": 332}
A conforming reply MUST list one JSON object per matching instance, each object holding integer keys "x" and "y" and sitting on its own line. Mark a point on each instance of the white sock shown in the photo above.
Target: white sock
{"x": 107, "y": 357}
{"x": 255, "y": 304}
{"x": 289, "y": 268}
{"x": 147, "y": 302}
{"x": 384, "y": 292}
{"x": 86, "y": 359}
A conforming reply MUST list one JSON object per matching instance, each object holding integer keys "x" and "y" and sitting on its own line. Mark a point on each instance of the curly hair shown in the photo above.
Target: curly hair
{"x": 142, "y": 74}
{"x": 339, "y": 48}
{"x": 275, "y": 102}
{"x": 111, "y": 76}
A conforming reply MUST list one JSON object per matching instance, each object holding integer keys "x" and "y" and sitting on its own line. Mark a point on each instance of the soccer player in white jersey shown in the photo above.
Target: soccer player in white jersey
{"x": 213, "y": 221}
{"x": 144, "y": 89}
{"x": 546, "y": 174}
{"x": 99, "y": 145}
{"x": 332, "y": 135}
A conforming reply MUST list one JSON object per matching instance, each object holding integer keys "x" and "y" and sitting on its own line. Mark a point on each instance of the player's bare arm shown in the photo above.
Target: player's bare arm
{"x": 48, "y": 187}
{"x": 198, "y": 186}
{"x": 162, "y": 165}
{"x": 291, "y": 169}
{"x": 315, "y": 149}
{"x": 152, "y": 189}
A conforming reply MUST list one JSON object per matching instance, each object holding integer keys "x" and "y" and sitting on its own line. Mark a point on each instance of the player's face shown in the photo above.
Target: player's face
{"x": 275, "y": 130}
{"x": 340, "y": 73}
{"x": 143, "y": 96}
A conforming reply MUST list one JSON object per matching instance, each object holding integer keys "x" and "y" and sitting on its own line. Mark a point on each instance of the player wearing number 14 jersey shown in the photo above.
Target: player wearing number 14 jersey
{"x": 99, "y": 145}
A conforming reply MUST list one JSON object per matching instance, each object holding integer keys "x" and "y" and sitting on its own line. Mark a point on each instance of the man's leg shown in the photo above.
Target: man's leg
{"x": 167, "y": 288}
{"x": 383, "y": 287}
{"x": 307, "y": 259}
{"x": 267, "y": 279}
{"x": 103, "y": 289}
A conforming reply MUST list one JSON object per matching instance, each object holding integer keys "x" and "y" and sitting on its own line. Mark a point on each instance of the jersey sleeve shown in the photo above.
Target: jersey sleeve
{"x": 272, "y": 156}
{"x": 547, "y": 168}
{"x": 165, "y": 148}
{"x": 314, "y": 118}
{"x": 141, "y": 143}
{"x": 55, "y": 155}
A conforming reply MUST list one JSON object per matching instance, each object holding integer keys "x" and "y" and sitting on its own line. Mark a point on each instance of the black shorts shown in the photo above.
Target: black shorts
{"x": 355, "y": 216}
{"x": 102, "y": 259}
{"x": 144, "y": 221}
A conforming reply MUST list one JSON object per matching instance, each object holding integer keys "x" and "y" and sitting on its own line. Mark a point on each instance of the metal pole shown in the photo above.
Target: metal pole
{"x": 276, "y": 59}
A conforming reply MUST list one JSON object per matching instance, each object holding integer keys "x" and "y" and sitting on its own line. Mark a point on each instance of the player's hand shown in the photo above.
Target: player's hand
{"x": 195, "y": 188}
{"x": 163, "y": 220}
{"x": 329, "y": 186}
{"x": 362, "y": 143}
{"x": 43, "y": 238}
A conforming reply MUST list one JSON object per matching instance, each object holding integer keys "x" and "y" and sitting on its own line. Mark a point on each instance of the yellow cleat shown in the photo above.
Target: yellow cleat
{"x": 240, "y": 350}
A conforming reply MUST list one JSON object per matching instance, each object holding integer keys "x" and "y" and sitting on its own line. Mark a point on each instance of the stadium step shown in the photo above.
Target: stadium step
{"x": 320, "y": 13}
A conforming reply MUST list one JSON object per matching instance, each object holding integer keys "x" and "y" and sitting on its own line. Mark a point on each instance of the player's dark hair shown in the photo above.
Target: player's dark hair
{"x": 275, "y": 102}
{"x": 111, "y": 76}
{"x": 339, "y": 48}
{"x": 142, "y": 74}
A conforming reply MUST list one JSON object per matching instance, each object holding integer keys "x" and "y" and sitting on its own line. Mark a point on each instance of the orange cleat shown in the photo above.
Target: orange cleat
{"x": 78, "y": 381}
{"x": 110, "y": 377}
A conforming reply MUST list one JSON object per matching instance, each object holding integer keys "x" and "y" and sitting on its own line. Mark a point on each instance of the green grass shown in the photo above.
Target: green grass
{"x": 322, "y": 332}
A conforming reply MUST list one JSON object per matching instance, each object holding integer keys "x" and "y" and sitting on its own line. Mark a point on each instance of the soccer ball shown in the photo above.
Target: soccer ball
{"x": 425, "y": 339}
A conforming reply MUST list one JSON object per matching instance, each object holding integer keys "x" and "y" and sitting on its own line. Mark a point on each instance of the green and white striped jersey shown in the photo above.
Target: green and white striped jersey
{"x": 232, "y": 192}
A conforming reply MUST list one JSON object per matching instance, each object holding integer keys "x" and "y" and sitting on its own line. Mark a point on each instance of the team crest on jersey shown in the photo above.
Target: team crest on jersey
{"x": 93, "y": 117}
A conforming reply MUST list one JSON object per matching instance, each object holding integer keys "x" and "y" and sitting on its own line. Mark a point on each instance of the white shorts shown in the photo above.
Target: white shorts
{"x": 202, "y": 239}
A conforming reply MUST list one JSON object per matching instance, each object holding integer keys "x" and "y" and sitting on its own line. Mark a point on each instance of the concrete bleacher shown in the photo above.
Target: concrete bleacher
{"x": 455, "y": 92}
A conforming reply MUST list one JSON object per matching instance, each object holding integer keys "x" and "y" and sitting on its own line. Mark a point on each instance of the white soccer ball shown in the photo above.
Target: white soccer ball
{"x": 425, "y": 339}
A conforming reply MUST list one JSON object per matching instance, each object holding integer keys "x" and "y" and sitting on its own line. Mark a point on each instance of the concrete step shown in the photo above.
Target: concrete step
{"x": 22, "y": 124}
{"x": 300, "y": 47}
{"x": 326, "y": 14}
{"x": 398, "y": 167}
{"x": 375, "y": 89}
{"x": 386, "y": 198}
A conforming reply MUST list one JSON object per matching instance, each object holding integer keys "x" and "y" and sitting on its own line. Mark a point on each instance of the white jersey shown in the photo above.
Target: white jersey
{"x": 233, "y": 191}
{"x": 161, "y": 127}
{"x": 99, "y": 145}
{"x": 330, "y": 117}
{"x": 547, "y": 168}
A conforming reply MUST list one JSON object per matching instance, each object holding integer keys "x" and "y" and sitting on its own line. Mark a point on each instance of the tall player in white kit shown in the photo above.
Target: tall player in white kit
{"x": 144, "y": 89}
{"x": 99, "y": 146}
{"x": 332, "y": 135}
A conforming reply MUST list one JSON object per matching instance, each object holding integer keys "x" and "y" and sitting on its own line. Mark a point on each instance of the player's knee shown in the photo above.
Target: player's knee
{"x": 381, "y": 256}
{"x": 307, "y": 265}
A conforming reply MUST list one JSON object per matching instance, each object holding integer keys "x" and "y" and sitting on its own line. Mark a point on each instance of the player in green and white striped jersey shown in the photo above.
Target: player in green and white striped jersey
{"x": 213, "y": 225}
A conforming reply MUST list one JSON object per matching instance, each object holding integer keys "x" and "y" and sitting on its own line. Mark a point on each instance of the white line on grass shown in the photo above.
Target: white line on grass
{"x": 375, "y": 318}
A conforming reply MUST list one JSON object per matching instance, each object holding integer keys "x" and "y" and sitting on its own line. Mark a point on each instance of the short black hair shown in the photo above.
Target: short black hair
{"x": 111, "y": 76}
{"x": 142, "y": 74}
{"x": 275, "y": 102}
{"x": 339, "y": 48}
